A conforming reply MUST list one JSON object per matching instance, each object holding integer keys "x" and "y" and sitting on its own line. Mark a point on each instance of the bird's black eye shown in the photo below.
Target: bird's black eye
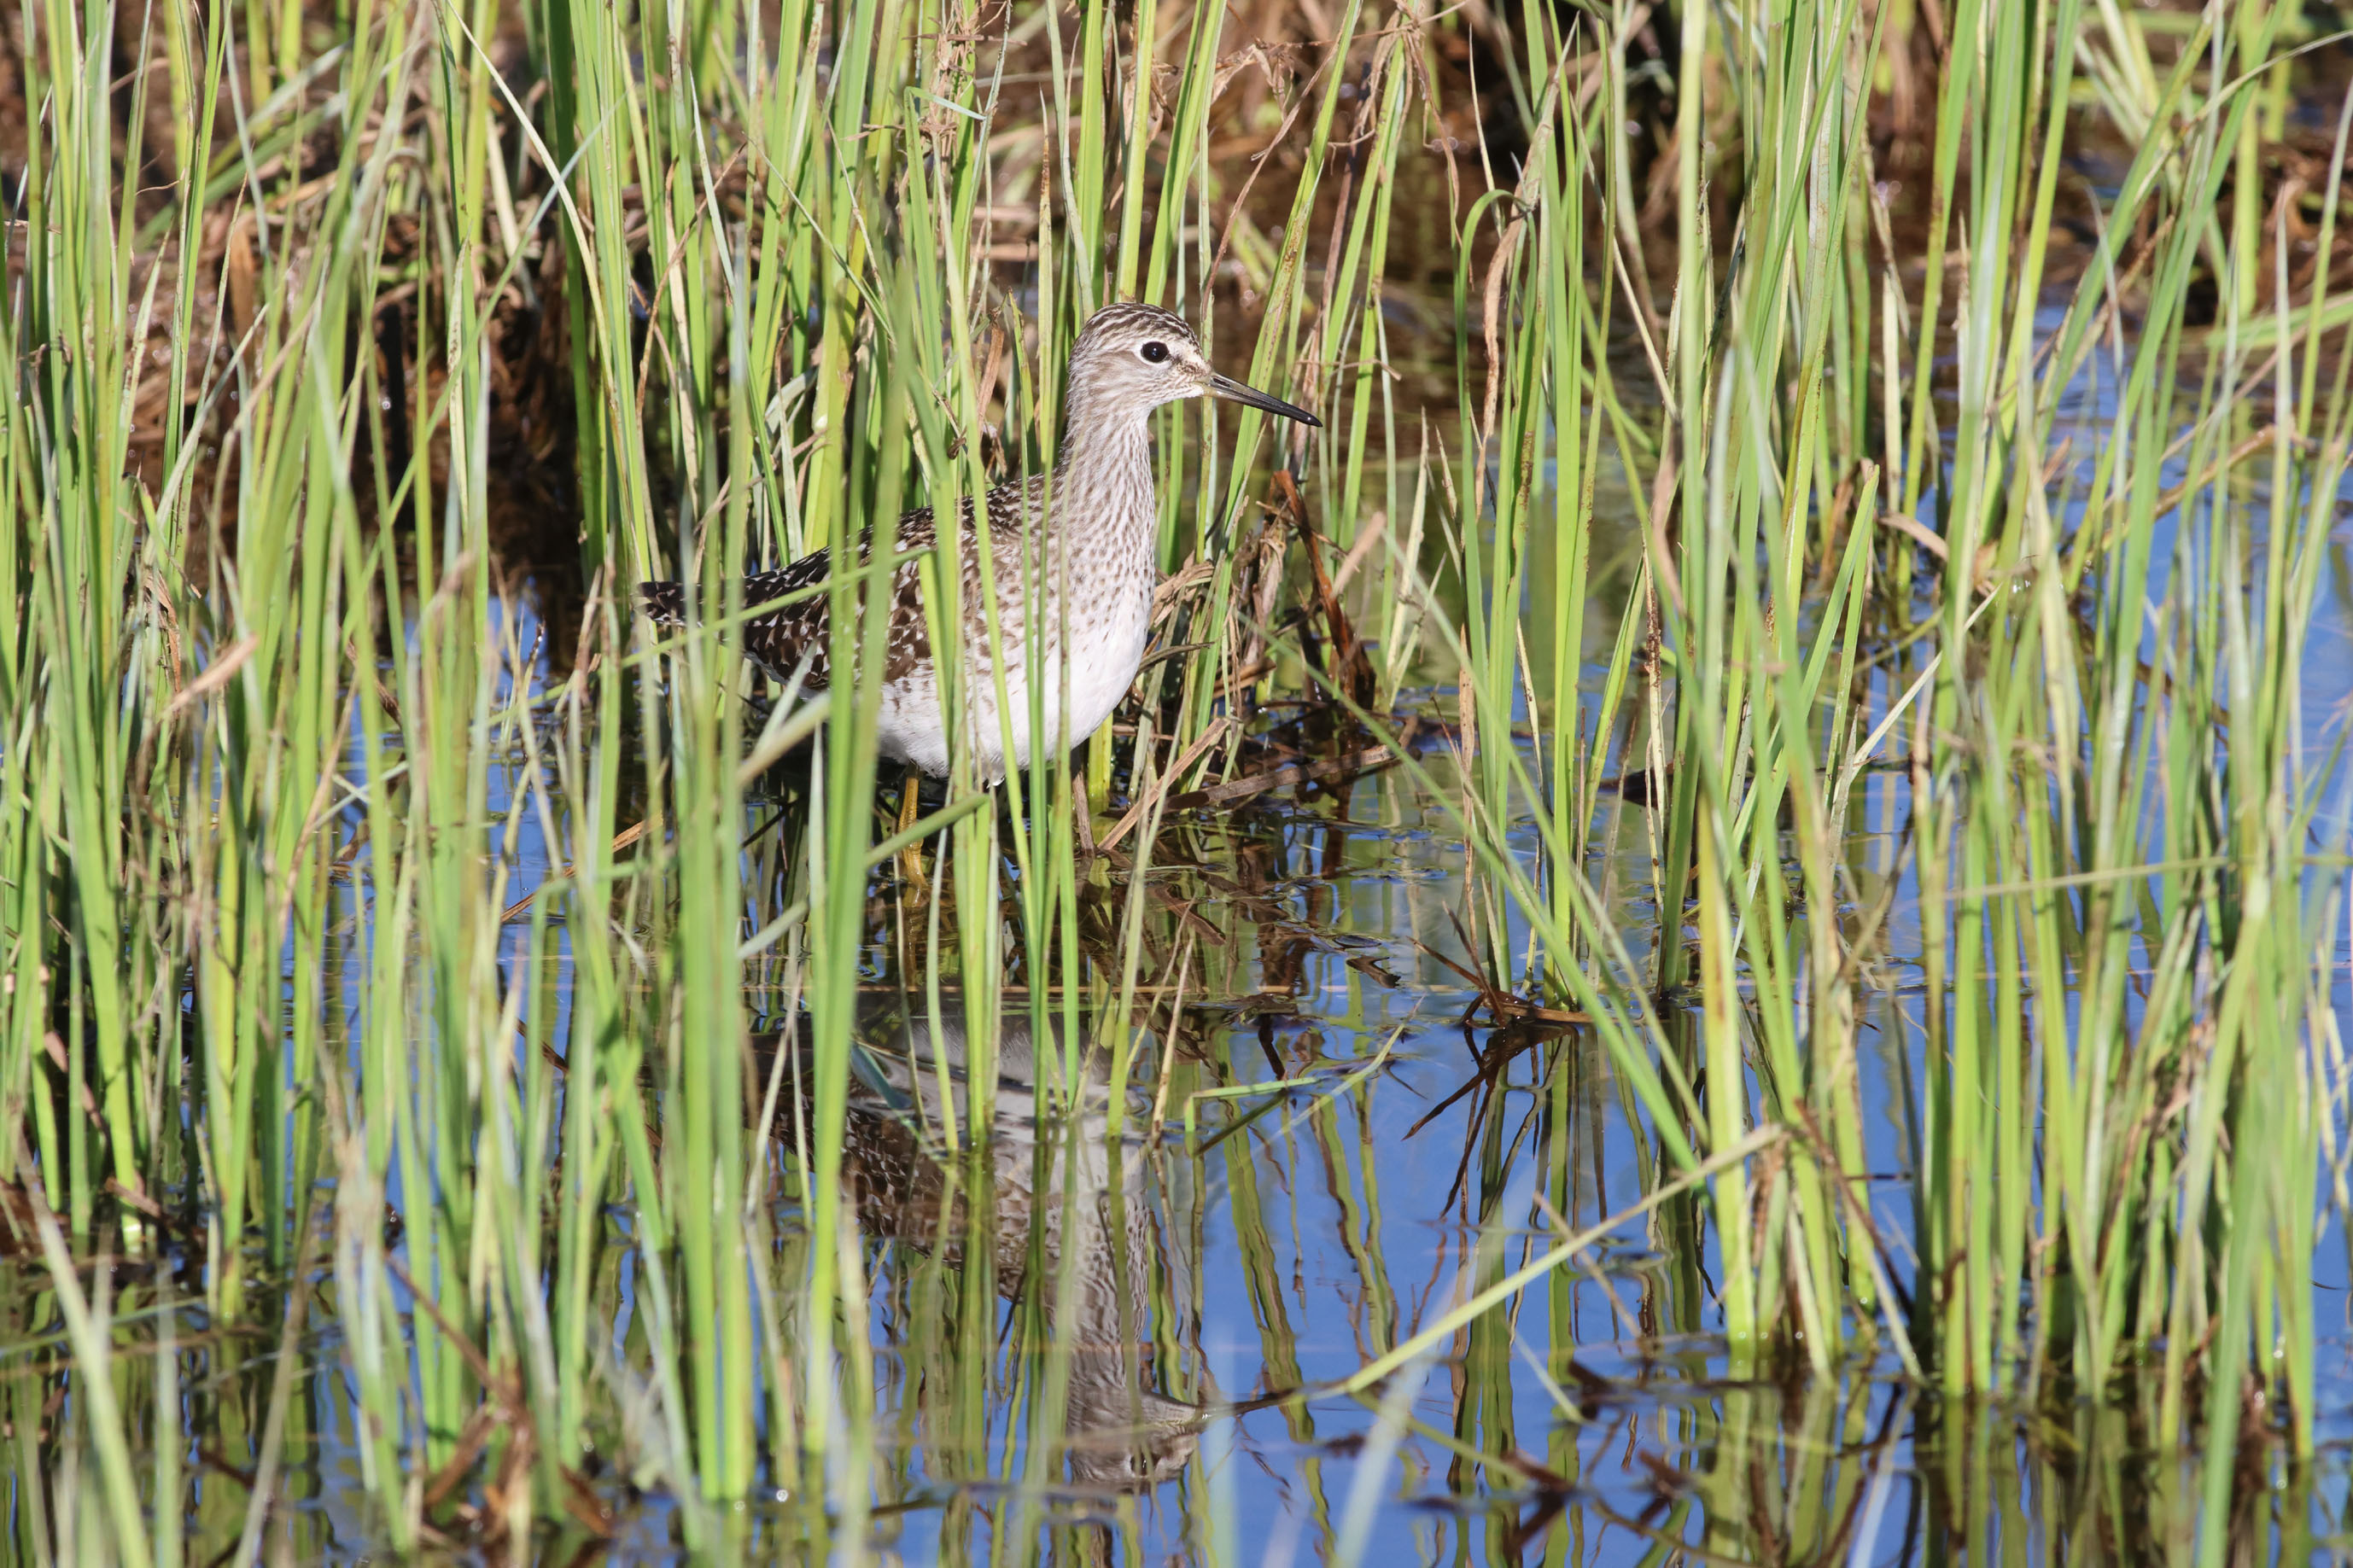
{"x": 1153, "y": 353}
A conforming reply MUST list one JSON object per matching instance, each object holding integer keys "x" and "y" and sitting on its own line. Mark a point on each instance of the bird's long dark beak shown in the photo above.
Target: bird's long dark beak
{"x": 1227, "y": 387}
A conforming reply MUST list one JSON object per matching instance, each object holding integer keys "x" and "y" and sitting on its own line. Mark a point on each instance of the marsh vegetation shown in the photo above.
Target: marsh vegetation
{"x": 1717, "y": 934}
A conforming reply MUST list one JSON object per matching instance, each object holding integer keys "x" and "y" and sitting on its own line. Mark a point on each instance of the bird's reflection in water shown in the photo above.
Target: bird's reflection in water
{"x": 1049, "y": 1173}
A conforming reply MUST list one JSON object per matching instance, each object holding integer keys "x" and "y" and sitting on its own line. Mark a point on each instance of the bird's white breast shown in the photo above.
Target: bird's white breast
{"x": 1105, "y": 639}
{"x": 1084, "y": 636}
{"x": 1105, "y": 651}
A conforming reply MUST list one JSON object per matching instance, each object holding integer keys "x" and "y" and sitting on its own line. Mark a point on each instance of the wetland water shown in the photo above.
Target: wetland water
{"x": 1161, "y": 1287}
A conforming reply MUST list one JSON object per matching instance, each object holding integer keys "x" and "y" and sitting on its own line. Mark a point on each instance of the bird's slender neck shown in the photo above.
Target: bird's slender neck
{"x": 1103, "y": 479}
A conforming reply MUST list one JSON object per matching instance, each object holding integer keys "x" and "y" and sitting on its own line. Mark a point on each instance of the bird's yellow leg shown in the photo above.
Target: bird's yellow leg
{"x": 910, "y": 859}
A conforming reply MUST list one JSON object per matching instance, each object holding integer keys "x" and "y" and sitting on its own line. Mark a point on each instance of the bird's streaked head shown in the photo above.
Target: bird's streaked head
{"x": 1132, "y": 358}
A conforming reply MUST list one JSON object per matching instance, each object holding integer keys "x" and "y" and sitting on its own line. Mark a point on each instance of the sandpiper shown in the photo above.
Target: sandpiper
{"x": 1085, "y": 534}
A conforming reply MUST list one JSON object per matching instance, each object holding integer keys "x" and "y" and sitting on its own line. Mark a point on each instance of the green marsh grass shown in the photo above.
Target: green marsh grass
{"x": 371, "y": 943}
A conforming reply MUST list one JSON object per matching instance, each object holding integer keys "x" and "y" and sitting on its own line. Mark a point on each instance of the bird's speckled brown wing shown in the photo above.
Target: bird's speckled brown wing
{"x": 773, "y": 640}
{"x": 779, "y": 640}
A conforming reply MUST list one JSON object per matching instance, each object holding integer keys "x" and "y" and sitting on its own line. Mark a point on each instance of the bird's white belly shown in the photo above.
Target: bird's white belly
{"x": 1106, "y": 648}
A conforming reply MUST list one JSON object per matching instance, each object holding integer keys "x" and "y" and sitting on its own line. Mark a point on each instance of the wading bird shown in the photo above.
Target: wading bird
{"x": 1082, "y": 534}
